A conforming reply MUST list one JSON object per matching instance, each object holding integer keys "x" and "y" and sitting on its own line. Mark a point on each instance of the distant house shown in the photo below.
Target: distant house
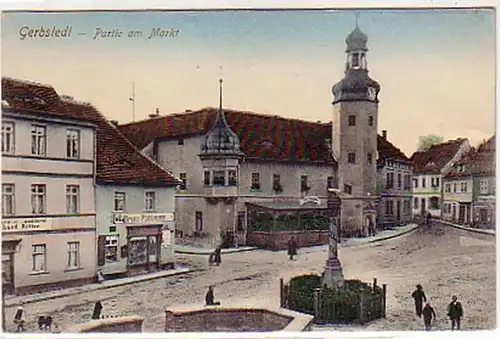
{"x": 457, "y": 190}
{"x": 429, "y": 167}
{"x": 483, "y": 176}
{"x": 394, "y": 170}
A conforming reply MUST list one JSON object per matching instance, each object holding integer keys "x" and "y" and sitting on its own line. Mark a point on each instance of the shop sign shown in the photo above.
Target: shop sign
{"x": 25, "y": 224}
{"x": 141, "y": 218}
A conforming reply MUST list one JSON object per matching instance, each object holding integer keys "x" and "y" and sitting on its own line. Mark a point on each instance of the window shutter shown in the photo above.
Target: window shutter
{"x": 101, "y": 250}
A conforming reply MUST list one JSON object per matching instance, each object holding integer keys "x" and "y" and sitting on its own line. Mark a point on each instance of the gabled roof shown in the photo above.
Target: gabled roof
{"x": 484, "y": 163}
{"x": 262, "y": 137}
{"x": 436, "y": 157}
{"x": 386, "y": 150}
{"x": 118, "y": 161}
{"x": 462, "y": 168}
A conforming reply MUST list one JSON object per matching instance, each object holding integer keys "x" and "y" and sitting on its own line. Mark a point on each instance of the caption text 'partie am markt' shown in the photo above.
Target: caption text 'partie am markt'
{"x": 54, "y": 32}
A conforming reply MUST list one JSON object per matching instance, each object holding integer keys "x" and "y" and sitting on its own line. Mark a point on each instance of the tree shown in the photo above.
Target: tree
{"x": 425, "y": 142}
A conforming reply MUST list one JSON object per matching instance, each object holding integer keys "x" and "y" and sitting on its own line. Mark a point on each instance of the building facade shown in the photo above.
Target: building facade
{"x": 484, "y": 186}
{"x": 223, "y": 164}
{"x": 354, "y": 136}
{"x": 458, "y": 191}
{"x": 395, "y": 177}
{"x": 429, "y": 168}
{"x": 48, "y": 211}
{"x": 135, "y": 203}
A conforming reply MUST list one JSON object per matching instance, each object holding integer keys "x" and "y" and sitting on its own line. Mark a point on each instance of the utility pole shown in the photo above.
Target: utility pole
{"x": 132, "y": 99}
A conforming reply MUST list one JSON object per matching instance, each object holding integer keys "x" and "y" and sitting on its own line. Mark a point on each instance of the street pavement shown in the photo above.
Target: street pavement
{"x": 444, "y": 260}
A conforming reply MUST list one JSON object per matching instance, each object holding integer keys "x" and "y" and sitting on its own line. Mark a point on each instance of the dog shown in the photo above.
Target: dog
{"x": 45, "y": 323}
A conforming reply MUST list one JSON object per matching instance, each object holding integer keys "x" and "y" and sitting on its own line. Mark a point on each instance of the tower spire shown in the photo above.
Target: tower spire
{"x": 357, "y": 20}
{"x": 220, "y": 94}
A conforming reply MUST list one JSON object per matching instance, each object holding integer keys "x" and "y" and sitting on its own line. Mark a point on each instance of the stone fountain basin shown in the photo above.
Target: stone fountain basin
{"x": 234, "y": 318}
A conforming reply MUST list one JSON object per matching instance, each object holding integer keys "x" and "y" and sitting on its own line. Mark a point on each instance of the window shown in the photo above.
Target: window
{"x": 183, "y": 178}
{"x": 351, "y": 158}
{"x": 483, "y": 186}
{"x": 454, "y": 188}
{"x": 199, "y": 221}
{"x": 407, "y": 182}
{"x": 232, "y": 178}
{"x": 352, "y": 120}
{"x": 276, "y": 180}
{"x": 434, "y": 203}
{"x": 400, "y": 183}
{"x": 369, "y": 158}
{"x": 415, "y": 203}
{"x": 370, "y": 121}
{"x": 38, "y": 199}
{"x": 255, "y": 181}
{"x": 447, "y": 188}
{"x": 437, "y": 182}
{"x": 355, "y": 60}
{"x": 303, "y": 183}
{"x": 464, "y": 187}
{"x": 241, "y": 222}
{"x": 73, "y": 254}
{"x": 483, "y": 215}
{"x": 389, "y": 180}
{"x": 423, "y": 182}
{"x": 73, "y": 144}
{"x": 219, "y": 178}
{"x": 111, "y": 248}
{"x": 150, "y": 201}
{"x": 8, "y": 137}
{"x": 389, "y": 207}
{"x": 415, "y": 183}
{"x": 119, "y": 201}
{"x": 8, "y": 199}
{"x": 39, "y": 257}
{"x": 347, "y": 189}
{"x": 72, "y": 199}
{"x": 180, "y": 142}
{"x": 206, "y": 178}
{"x": 329, "y": 182}
{"x": 38, "y": 140}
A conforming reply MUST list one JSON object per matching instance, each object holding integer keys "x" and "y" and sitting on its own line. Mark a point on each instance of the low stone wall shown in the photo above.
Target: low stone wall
{"x": 115, "y": 325}
{"x": 277, "y": 241}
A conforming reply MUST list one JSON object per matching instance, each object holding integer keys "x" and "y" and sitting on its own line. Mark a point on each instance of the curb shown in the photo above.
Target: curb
{"x": 223, "y": 252}
{"x": 96, "y": 288}
{"x": 469, "y": 229}
{"x": 395, "y": 235}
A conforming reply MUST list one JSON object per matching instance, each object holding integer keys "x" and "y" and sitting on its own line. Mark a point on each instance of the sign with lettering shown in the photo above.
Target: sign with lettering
{"x": 25, "y": 224}
{"x": 142, "y": 218}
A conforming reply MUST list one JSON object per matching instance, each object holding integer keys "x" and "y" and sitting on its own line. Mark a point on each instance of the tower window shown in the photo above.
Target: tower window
{"x": 219, "y": 178}
{"x": 352, "y": 120}
{"x": 351, "y": 158}
{"x": 347, "y": 189}
{"x": 370, "y": 121}
{"x": 206, "y": 178}
{"x": 355, "y": 60}
{"x": 369, "y": 158}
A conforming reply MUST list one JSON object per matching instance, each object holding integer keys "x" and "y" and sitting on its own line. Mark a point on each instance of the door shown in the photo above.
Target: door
{"x": 199, "y": 222}
{"x": 461, "y": 214}
{"x": 398, "y": 211}
{"x": 8, "y": 273}
{"x": 422, "y": 206}
{"x": 454, "y": 212}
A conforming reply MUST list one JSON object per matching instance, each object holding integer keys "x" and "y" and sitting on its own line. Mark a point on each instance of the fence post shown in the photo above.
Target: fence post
{"x": 362, "y": 305}
{"x": 384, "y": 303}
{"x": 317, "y": 301}
{"x": 281, "y": 293}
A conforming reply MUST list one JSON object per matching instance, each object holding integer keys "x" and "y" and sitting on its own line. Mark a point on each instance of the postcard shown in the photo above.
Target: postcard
{"x": 285, "y": 170}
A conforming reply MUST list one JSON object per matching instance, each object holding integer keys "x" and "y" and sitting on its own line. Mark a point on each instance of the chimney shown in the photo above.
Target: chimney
{"x": 155, "y": 114}
{"x": 188, "y": 110}
{"x": 114, "y": 123}
{"x": 384, "y": 134}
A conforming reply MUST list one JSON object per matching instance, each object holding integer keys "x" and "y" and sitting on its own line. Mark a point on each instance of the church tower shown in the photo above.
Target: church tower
{"x": 355, "y": 137}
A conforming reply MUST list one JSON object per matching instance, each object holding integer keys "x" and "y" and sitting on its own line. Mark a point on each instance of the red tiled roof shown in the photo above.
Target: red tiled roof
{"x": 439, "y": 154}
{"x": 484, "y": 163}
{"x": 387, "y": 150}
{"x": 263, "y": 137}
{"x": 118, "y": 161}
{"x": 462, "y": 168}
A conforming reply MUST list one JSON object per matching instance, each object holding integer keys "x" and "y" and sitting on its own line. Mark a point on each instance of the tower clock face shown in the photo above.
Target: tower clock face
{"x": 372, "y": 93}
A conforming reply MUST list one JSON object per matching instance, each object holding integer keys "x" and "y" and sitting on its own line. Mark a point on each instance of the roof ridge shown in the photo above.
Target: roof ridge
{"x": 27, "y": 82}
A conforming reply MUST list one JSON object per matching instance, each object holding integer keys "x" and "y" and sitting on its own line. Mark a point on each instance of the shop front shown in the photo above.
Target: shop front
{"x": 8, "y": 250}
{"x": 143, "y": 244}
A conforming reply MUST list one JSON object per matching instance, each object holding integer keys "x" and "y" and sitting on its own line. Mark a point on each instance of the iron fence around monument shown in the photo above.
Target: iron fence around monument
{"x": 357, "y": 302}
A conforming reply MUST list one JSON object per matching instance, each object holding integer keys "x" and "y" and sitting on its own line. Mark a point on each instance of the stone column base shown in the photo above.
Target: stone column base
{"x": 333, "y": 275}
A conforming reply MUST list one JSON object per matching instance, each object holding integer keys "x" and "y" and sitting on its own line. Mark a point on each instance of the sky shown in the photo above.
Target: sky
{"x": 436, "y": 68}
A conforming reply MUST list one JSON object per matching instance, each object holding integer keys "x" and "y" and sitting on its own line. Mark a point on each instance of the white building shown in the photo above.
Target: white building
{"x": 429, "y": 169}
{"x": 135, "y": 203}
{"x": 48, "y": 211}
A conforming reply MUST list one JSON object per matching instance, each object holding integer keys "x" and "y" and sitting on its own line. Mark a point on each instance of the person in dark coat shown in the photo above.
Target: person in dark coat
{"x": 209, "y": 297}
{"x": 292, "y": 247}
{"x": 20, "y": 319}
{"x": 419, "y": 296}
{"x": 217, "y": 255}
{"x": 429, "y": 219}
{"x": 455, "y": 312}
{"x": 97, "y": 310}
{"x": 429, "y": 314}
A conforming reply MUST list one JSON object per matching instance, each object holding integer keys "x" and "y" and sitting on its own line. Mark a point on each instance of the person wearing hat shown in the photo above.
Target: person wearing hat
{"x": 419, "y": 296}
{"x": 455, "y": 312}
{"x": 428, "y": 313}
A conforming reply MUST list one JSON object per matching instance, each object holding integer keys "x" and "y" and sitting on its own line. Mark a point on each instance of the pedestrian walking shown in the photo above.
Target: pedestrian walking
{"x": 455, "y": 312}
{"x": 429, "y": 314}
{"x": 20, "y": 319}
{"x": 429, "y": 219}
{"x": 209, "y": 297}
{"x": 97, "y": 310}
{"x": 292, "y": 248}
{"x": 217, "y": 258}
{"x": 419, "y": 297}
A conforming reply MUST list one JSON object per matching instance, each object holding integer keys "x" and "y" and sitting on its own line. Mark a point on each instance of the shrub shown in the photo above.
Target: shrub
{"x": 303, "y": 287}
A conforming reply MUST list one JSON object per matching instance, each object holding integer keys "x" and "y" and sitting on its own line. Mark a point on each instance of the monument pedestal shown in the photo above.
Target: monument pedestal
{"x": 333, "y": 275}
